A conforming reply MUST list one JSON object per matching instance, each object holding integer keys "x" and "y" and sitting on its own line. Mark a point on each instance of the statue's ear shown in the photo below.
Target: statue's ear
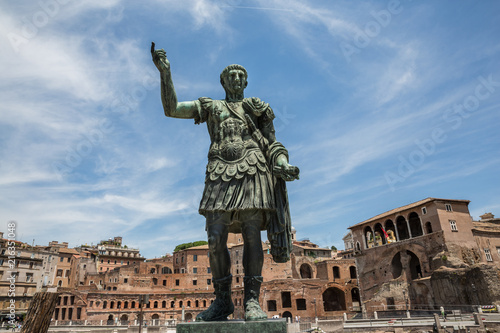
{"x": 246, "y": 83}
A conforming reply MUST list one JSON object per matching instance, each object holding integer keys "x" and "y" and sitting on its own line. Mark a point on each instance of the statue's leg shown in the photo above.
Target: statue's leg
{"x": 253, "y": 258}
{"x": 217, "y": 230}
{"x": 220, "y": 264}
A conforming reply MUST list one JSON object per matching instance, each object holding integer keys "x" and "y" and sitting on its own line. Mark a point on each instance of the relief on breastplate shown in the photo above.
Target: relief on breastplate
{"x": 231, "y": 145}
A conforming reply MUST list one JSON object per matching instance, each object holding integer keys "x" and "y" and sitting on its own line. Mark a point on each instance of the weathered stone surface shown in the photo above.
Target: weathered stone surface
{"x": 240, "y": 326}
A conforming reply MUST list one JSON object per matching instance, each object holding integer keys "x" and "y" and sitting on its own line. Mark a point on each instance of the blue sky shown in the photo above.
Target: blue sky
{"x": 379, "y": 103}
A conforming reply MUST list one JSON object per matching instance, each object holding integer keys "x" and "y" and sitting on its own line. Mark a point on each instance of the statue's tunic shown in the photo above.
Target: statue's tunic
{"x": 238, "y": 175}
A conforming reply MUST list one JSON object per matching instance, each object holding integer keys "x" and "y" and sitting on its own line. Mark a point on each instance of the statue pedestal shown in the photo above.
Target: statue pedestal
{"x": 240, "y": 326}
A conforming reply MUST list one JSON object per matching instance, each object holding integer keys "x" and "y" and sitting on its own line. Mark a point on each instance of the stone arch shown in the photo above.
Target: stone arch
{"x": 402, "y": 228}
{"x": 379, "y": 235}
{"x": 334, "y": 299}
{"x": 110, "y": 320}
{"x": 415, "y": 225}
{"x": 155, "y": 304}
{"x": 306, "y": 271}
{"x": 132, "y": 306}
{"x": 390, "y": 228}
{"x": 428, "y": 227}
{"x": 156, "y": 318}
{"x": 164, "y": 304}
{"x": 125, "y": 305}
{"x": 368, "y": 237}
{"x": 188, "y": 316}
{"x": 166, "y": 270}
{"x": 172, "y": 304}
{"x": 358, "y": 246}
{"x": 124, "y": 319}
{"x": 415, "y": 267}
{"x": 287, "y": 314}
{"x": 396, "y": 266}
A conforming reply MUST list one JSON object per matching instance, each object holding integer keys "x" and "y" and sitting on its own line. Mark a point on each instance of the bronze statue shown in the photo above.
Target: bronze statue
{"x": 244, "y": 186}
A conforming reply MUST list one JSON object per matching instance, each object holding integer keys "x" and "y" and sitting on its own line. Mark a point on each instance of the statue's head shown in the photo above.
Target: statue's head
{"x": 234, "y": 78}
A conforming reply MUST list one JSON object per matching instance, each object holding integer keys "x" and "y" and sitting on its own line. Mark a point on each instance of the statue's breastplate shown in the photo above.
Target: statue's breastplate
{"x": 231, "y": 146}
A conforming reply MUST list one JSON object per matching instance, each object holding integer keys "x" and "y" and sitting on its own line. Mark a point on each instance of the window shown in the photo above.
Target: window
{"x": 448, "y": 207}
{"x": 336, "y": 272}
{"x": 498, "y": 251}
{"x": 271, "y": 305}
{"x": 209, "y": 270}
{"x": 301, "y": 304}
{"x": 487, "y": 253}
{"x": 195, "y": 282}
{"x": 68, "y": 259}
{"x": 125, "y": 280}
{"x": 453, "y": 225}
{"x": 195, "y": 257}
{"x": 177, "y": 282}
{"x": 209, "y": 282}
{"x": 29, "y": 277}
{"x": 61, "y": 259}
{"x": 286, "y": 299}
{"x": 424, "y": 210}
{"x": 164, "y": 282}
{"x": 195, "y": 270}
{"x": 59, "y": 272}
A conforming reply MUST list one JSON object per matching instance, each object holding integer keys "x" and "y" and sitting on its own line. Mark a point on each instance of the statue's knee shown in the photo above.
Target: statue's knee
{"x": 215, "y": 242}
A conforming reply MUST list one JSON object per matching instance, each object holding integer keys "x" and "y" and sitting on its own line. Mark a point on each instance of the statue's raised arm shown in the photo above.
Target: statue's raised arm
{"x": 186, "y": 110}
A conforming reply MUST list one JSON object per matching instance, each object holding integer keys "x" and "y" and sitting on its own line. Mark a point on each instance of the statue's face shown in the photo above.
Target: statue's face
{"x": 235, "y": 81}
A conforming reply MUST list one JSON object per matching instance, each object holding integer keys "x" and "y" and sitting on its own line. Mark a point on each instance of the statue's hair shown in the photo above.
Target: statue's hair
{"x": 226, "y": 70}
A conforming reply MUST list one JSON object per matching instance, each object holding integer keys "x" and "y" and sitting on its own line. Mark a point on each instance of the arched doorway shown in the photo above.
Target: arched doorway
{"x": 124, "y": 319}
{"x": 356, "y": 299}
{"x": 333, "y": 299}
{"x": 402, "y": 227}
{"x": 415, "y": 268}
{"x": 155, "y": 319}
{"x": 110, "y": 320}
{"x": 188, "y": 317}
{"x": 287, "y": 314}
{"x": 415, "y": 225}
{"x": 305, "y": 271}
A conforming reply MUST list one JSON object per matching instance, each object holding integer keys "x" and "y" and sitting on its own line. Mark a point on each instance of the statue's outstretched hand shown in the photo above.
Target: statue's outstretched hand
{"x": 287, "y": 172}
{"x": 160, "y": 59}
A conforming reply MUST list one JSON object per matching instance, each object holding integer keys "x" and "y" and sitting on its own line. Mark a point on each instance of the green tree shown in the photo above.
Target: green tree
{"x": 184, "y": 246}
{"x": 334, "y": 248}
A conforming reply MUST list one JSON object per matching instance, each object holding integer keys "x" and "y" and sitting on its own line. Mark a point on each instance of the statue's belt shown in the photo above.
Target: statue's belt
{"x": 252, "y": 161}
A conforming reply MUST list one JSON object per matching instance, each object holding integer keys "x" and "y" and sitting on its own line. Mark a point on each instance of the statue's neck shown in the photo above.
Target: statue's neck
{"x": 234, "y": 97}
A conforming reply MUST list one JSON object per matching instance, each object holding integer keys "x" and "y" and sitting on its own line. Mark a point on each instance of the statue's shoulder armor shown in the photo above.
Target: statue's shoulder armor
{"x": 258, "y": 108}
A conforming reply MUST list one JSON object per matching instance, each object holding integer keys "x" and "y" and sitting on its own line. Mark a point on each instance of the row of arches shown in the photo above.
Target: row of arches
{"x": 394, "y": 232}
{"x": 306, "y": 272}
{"x": 150, "y": 305}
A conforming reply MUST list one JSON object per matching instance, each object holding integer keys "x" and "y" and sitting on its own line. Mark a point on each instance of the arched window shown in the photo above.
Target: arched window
{"x": 415, "y": 225}
{"x": 402, "y": 227}
{"x": 334, "y": 299}
{"x": 368, "y": 236}
{"x": 164, "y": 304}
{"x": 428, "y": 227}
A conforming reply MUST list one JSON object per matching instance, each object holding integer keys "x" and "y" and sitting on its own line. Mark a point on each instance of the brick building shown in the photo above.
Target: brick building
{"x": 311, "y": 284}
{"x": 406, "y": 256}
